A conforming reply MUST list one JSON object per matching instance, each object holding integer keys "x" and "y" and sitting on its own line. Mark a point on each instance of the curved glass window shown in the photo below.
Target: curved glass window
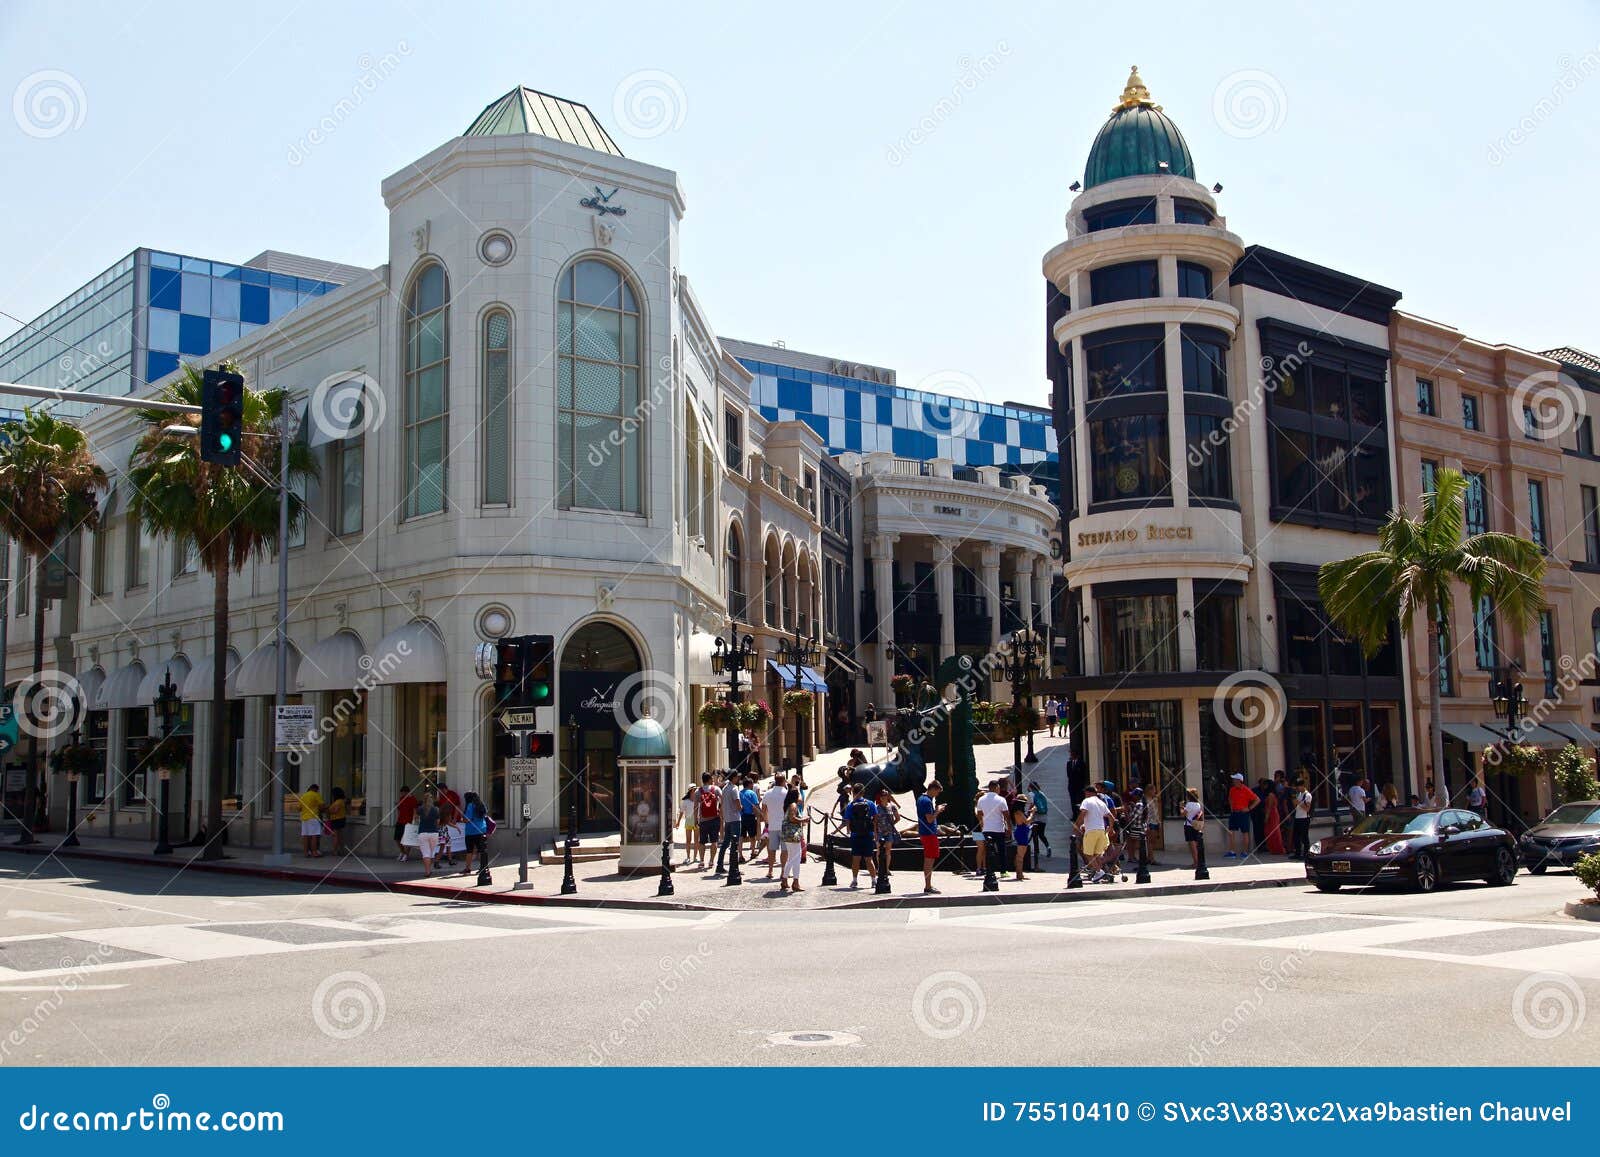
{"x": 1193, "y": 280}
{"x": 1125, "y": 282}
{"x": 1130, "y": 458}
{"x": 427, "y": 365}
{"x": 1138, "y": 634}
{"x": 1186, "y": 212}
{"x": 1133, "y": 364}
{"x": 1205, "y": 362}
{"x": 1210, "y": 464}
{"x": 1115, "y": 214}
{"x": 496, "y": 431}
{"x": 600, "y": 430}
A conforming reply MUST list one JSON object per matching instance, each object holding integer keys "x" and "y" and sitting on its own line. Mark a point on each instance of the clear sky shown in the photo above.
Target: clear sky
{"x": 867, "y": 180}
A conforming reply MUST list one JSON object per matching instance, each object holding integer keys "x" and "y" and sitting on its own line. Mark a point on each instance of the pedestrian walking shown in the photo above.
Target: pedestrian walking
{"x": 338, "y": 816}
{"x": 1061, "y": 717}
{"x": 993, "y": 816}
{"x": 1094, "y": 832}
{"x": 1194, "y": 824}
{"x": 449, "y": 821}
{"x": 1241, "y": 802}
{"x": 311, "y": 822}
{"x": 1356, "y": 797}
{"x": 775, "y": 804}
{"x": 1477, "y": 798}
{"x": 710, "y": 803}
{"x": 689, "y": 815}
{"x": 793, "y": 833}
{"x": 732, "y": 813}
{"x": 859, "y": 820}
{"x": 928, "y": 811}
{"x": 1041, "y": 815}
{"x": 749, "y": 821}
{"x": 428, "y": 831}
{"x": 475, "y": 823}
{"x": 1050, "y": 713}
{"x": 885, "y": 823}
{"x": 405, "y": 817}
{"x": 1303, "y": 803}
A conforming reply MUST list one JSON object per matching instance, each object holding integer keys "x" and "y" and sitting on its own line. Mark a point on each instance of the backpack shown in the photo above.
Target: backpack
{"x": 860, "y": 818}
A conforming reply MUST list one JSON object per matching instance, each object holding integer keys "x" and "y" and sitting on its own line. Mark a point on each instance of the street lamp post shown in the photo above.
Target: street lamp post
{"x": 798, "y": 654}
{"x": 569, "y": 883}
{"x": 167, "y": 712}
{"x": 1020, "y": 664}
{"x": 72, "y": 796}
{"x": 733, "y": 657}
{"x": 1510, "y": 702}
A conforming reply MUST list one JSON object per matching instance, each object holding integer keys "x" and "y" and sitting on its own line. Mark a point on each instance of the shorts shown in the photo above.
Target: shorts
{"x": 748, "y": 826}
{"x": 337, "y": 825}
{"x": 1190, "y": 835}
{"x": 1096, "y": 842}
{"x": 478, "y": 843}
{"x": 1021, "y": 835}
{"x": 399, "y": 831}
{"x": 428, "y": 843}
{"x": 709, "y": 830}
{"x": 690, "y": 823}
{"x": 775, "y": 838}
{"x": 930, "y": 847}
{"x": 861, "y": 845}
{"x": 310, "y": 827}
{"x": 1238, "y": 821}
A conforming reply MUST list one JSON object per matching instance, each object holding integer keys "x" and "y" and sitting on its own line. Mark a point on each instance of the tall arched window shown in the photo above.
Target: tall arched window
{"x": 496, "y": 425}
{"x": 427, "y": 363}
{"x": 738, "y": 603}
{"x": 691, "y": 474}
{"x": 600, "y": 433}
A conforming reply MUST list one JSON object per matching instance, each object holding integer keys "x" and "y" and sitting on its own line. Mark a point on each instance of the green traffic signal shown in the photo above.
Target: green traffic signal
{"x": 225, "y": 441}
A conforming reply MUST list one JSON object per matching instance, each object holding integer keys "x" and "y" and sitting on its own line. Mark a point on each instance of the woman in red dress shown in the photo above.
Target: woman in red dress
{"x": 1274, "y": 827}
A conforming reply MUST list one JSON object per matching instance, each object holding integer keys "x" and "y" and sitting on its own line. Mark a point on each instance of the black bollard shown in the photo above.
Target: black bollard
{"x": 1200, "y": 872}
{"x": 881, "y": 888}
{"x": 569, "y": 882}
{"x": 829, "y": 876}
{"x": 992, "y": 852}
{"x": 484, "y": 878}
{"x": 1074, "y": 876}
{"x": 665, "y": 888}
{"x": 735, "y": 877}
{"x": 1143, "y": 875}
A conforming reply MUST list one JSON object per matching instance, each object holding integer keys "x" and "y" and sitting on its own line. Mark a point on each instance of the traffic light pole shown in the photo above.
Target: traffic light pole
{"x": 278, "y": 756}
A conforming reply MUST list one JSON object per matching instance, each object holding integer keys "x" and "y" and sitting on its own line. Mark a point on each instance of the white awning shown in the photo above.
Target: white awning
{"x": 258, "y": 672}
{"x": 701, "y": 647}
{"x": 157, "y": 675}
{"x": 122, "y": 689}
{"x": 332, "y": 415}
{"x": 1474, "y": 736}
{"x": 197, "y": 687}
{"x": 92, "y": 682}
{"x": 413, "y": 653}
{"x": 1537, "y": 735}
{"x": 336, "y": 663}
{"x": 1581, "y": 735}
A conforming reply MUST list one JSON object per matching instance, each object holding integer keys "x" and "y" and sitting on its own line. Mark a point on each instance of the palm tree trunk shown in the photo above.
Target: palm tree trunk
{"x": 30, "y": 790}
{"x": 217, "y": 757}
{"x": 1434, "y": 714}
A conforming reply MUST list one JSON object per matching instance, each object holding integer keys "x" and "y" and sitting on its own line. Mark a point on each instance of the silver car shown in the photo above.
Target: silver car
{"x": 1563, "y": 837}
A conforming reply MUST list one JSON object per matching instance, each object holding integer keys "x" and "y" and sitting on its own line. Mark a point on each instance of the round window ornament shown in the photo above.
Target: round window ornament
{"x": 494, "y": 622}
{"x": 1127, "y": 480}
{"x": 497, "y": 247}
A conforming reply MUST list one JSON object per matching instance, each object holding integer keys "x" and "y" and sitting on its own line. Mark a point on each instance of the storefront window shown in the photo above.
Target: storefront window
{"x": 1216, "y": 631}
{"x": 136, "y": 720}
{"x": 1221, "y": 755}
{"x": 346, "y": 749}
{"x": 1210, "y": 464}
{"x": 420, "y": 725}
{"x": 1144, "y": 746}
{"x": 96, "y": 725}
{"x": 1138, "y": 634}
{"x": 1130, "y": 457}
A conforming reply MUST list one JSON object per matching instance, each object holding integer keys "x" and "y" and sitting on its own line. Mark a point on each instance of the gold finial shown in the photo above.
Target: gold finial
{"x": 1135, "y": 94}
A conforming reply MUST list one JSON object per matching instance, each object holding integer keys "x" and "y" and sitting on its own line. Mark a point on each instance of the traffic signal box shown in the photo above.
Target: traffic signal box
{"x": 221, "y": 417}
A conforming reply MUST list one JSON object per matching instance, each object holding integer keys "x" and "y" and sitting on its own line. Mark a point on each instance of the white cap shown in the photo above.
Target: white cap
{"x": 1238, "y": 777}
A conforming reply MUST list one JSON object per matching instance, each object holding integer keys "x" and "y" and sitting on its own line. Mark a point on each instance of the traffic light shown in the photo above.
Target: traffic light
{"x": 541, "y": 744}
{"x": 538, "y": 666}
{"x": 507, "y": 672}
{"x": 221, "y": 416}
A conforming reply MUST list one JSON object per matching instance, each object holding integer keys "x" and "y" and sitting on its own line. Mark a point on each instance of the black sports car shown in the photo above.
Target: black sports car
{"x": 1563, "y": 837}
{"x": 1421, "y": 848}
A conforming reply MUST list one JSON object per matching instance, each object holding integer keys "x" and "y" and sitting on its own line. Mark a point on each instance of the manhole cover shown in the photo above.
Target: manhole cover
{"x": 813, "y": 1038}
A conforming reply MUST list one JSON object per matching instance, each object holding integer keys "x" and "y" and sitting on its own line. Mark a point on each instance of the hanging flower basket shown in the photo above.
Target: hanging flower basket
{"x": 798, "y": 703}
{"x": 1522, "y": 759}
{"x": 170, "y": 754}
{"x": 901, "y": 685}
{"x": 718, "y": 715}
{"x": 74, "y": 759}
{"x": 755, "y": 716}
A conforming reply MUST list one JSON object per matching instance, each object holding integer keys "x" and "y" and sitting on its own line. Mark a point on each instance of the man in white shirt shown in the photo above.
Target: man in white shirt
{"x": 1050, "y": 713}
{"x": 993, "y": 816}
{"x": 1094, "y": 823}
{"x": 1358, "y": 802}
{"x": 773, "y": 804}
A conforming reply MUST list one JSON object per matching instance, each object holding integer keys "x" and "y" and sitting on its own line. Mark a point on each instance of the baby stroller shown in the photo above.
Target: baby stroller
{"x": 1112, "y": 862}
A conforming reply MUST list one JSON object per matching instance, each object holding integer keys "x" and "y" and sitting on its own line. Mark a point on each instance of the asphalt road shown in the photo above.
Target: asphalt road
{"x": 116, "y": 965}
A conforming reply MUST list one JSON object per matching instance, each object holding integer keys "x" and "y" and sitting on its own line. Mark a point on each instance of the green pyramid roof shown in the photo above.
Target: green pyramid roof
{"x": 526, "y": 110}
{"x": 1136, "y": 141}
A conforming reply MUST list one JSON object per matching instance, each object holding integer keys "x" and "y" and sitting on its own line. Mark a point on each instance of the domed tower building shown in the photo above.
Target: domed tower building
{"x": 1190, "y": 518}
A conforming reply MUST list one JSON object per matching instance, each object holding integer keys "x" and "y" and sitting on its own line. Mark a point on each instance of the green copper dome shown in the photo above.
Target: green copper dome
{"x": 645, "y": 739}
{"x": 1137, "y": 139}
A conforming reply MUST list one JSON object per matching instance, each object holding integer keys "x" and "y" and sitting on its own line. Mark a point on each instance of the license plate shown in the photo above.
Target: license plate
{"x": 1340, "y": 865}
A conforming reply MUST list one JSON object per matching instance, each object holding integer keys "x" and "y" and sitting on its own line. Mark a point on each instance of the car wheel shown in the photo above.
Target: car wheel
{"x": 1538, "y": 869}
{"x": 1327, "y": 885}
{"x": 1425, "y": 876}
{"x": 1505, "y": 868}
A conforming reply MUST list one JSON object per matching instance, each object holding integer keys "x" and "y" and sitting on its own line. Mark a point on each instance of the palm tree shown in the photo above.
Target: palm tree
{"x": 49, "y": 480}
{"x": 1415, "y": 570}
{"x": 229, "y": 513}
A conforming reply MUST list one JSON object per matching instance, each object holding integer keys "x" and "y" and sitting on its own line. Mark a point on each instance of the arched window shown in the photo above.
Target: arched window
{"x": 738, "y": 604}
{"x": 691, "y": 474}
{"x": 496, "y": 426}
{"x": 427, "y": 363}
{"x": 600, "y": 433}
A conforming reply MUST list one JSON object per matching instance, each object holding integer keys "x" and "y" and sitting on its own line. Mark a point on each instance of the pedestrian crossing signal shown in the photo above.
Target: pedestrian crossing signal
{"x": 541, "y": 744}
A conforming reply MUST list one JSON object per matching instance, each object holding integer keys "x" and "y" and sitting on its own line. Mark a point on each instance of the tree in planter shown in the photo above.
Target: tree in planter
{"x": 1588, "y": 872}
{"x": 1415, "y": 570}
{"x": 230, "y": 513}
{"x": 50, "y": 485}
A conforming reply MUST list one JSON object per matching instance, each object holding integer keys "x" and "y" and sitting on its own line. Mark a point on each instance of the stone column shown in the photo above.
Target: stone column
{"x": 1043, "y": 576}
{"x": 989, "y": 562}
{"x": 1024, "y": 581}
{"x": 881, "y": 547}
{"x": 944, "y": 585}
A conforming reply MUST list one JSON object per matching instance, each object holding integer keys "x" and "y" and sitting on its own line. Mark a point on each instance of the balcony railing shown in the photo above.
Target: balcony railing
{"x": 972, "y": 606}
{"x": 739, "y": 606}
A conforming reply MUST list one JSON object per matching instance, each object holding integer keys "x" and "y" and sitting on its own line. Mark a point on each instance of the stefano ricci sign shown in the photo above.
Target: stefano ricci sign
{"x": 1151, "y": 533}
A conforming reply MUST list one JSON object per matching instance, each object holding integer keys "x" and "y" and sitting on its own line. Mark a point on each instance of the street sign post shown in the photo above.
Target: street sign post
{"x": 522, "y": 771}
{"x": 294, "y": 724}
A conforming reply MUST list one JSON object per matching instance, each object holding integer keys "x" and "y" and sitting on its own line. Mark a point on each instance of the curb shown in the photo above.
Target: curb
{"x": 361, "y": 883}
